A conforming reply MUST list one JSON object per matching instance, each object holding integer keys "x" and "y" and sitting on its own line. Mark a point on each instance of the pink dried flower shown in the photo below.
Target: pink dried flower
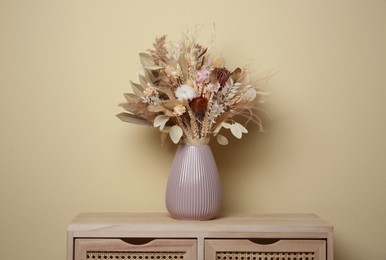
{"x": 202, "y": 76}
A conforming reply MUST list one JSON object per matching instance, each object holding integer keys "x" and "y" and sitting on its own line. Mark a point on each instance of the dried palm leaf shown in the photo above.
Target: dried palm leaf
{"x": 130, "y": 118}
{"x": 160, "y": 109}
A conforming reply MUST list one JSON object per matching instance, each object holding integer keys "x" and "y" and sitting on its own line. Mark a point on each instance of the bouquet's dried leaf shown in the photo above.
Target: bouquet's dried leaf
{"x": 203, "y": 51}
{"x": 236, "y": 74}
{"x": 139, "y": 109}
{"x": 154, "y": 67}
{"x": 184, "y": 66}
{"x": 137, "y": 89}
{"x": 168, "y": 92}
{"x": 160, "y": 121}
{"x": 249, "y": 95}
{"x": 157, "y": 109}
{"x": 242, "y": 128}
{"x": 130, "y": 118}
{"x": 217, "y": 129}
{"x": 236, "y": 131}
{"x": 151, "y": 75}
{"x": 226, "y": 125}
{"x": 143, "y": 81}
{"x": 162, "y": 81}
{"x": 175, "y": 133}
{"x": 222, "y": 140}
{"x": 218, "y": 62}
{"x": 131, "y": 98}
{"x": 170, "y": 104}
{"x": 146, "y": 60}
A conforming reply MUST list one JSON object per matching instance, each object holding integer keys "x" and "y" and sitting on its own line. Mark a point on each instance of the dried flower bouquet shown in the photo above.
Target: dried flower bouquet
{"x": 189, "y": 95}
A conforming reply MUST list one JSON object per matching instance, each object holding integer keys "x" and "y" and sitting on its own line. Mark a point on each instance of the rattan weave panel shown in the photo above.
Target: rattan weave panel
{"x": 265, "y": 256}
{"x": 135, "y": 255}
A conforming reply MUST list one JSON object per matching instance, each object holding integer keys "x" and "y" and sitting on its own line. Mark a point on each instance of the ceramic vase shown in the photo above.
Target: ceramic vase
{"x": 193, "y": 190}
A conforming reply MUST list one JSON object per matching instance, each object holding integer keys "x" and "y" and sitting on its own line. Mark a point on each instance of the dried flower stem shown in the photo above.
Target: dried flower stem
{"x": 206, "y": 125}
{"x": 193, "y": 123}
{"x": 182, "y": 125}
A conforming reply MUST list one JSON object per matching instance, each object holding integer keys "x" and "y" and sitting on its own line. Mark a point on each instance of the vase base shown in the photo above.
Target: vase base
{"x": 192, "y": 218}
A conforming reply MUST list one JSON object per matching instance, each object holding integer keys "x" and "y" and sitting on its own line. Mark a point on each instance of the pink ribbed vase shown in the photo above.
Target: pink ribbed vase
{"x": 193, "y": 190}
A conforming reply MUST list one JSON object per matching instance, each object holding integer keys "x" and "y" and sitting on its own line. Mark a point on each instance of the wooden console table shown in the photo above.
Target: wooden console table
{"x": 148, "y": 236}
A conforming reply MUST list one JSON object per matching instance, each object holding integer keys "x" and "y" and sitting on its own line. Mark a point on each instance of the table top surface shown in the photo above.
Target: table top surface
{"x": 237, "y": 222}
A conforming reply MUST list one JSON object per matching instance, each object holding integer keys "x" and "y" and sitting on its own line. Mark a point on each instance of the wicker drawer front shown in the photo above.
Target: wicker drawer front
{"x": 245, "y": 249}
{"x": 131, "y": 249}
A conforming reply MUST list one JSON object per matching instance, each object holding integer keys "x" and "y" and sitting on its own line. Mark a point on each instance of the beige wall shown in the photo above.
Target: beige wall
{"x": 65, "y": 64}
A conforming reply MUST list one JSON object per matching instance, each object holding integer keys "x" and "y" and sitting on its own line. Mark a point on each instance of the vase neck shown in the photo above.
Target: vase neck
{"x": 201, "y": 141}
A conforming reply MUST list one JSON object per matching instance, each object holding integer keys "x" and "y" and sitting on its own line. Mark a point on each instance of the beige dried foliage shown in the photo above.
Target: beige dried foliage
{"x": 139, "y": 109}
{"x": 159, "y": 53}
{"x": 219, "y": 95}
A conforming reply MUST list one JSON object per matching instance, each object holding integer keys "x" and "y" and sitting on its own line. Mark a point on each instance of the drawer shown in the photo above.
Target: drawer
{"x": 135, "y": 249}
{"x": 258, "y": 249}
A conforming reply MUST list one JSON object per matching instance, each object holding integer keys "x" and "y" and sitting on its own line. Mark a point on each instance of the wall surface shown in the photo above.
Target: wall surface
{"x": 65, "y": 64}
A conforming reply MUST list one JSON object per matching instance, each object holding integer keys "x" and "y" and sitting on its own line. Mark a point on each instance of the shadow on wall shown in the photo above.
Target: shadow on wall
{"x": 256, "y": 156}
{"x": 252, "y": 149}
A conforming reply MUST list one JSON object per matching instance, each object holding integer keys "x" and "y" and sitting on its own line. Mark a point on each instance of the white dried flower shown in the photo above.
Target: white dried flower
{"x": 185, "y": 92}
{"x": 179, "y": 110}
